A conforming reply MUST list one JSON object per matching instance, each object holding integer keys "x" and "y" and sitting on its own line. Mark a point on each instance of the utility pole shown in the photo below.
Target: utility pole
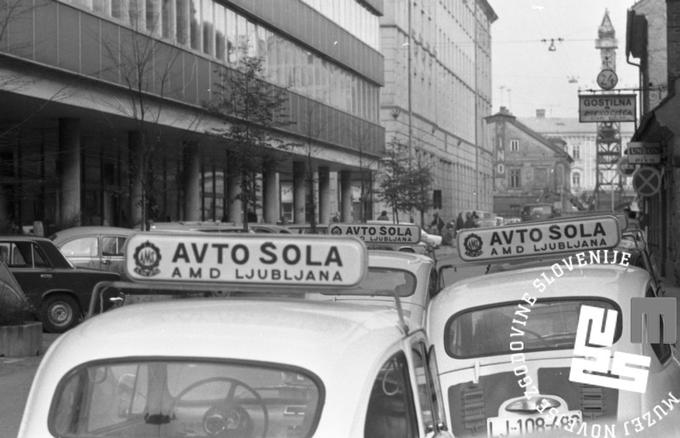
{"x": 409, "y": 84}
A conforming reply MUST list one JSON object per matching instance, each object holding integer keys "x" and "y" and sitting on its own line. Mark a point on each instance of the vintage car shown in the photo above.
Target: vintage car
{"x": 553, "y": 345}
{"x": 244, "y": 367}
{"x": 96, "y": 247}
{"x": 58, "y": 292}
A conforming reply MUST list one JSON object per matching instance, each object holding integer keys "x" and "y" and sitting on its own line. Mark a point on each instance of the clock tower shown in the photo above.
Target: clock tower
{"x": 608, "y": 181}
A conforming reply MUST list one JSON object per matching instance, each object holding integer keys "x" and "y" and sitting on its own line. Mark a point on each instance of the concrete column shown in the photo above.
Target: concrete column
{"x": 192, "y": 183}
{"x": 324, "y": 195}
{"x": 234, "y": 177}
{"x": 270, "y": 195}
{"x": 346, "y": 195}
{"x": 299, "y": 192}
{"x": 69, "y": 148}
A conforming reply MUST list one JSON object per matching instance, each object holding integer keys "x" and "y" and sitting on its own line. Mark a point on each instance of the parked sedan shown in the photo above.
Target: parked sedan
{"x": 59, "y": 292}
{"x": 96, "y": 247}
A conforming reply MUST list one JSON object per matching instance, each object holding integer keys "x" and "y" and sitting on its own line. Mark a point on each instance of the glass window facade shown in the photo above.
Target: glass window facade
{"x": 352, "y": 17}
{"x": 208, "y": 27}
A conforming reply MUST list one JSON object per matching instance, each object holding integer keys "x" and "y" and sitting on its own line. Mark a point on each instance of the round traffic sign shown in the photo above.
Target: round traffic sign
{"x": 647, "y": 181}
{"x": 624, "y": 167}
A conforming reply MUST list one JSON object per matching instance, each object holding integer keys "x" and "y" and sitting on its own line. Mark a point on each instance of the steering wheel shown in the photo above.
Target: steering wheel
{"x": 228, "y": 419}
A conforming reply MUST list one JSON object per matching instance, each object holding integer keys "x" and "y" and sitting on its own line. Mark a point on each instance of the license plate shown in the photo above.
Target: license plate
{"x": 521, "y": 425}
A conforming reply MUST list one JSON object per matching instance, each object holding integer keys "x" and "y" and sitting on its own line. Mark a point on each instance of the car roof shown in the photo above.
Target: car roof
{"x": 616, "y": 282}
{"x": 90, "y": 230}
{"x": 25, "y": 238}
{"x": 287, "y": 331}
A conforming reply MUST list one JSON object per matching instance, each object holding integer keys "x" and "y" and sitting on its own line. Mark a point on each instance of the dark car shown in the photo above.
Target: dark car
{"x": 96, "y": 247}
{"x": 58, "y": 292}
{"x": 537, "y": 212}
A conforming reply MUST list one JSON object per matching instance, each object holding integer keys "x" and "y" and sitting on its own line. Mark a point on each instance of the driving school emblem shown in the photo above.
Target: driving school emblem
{"x": 147, "y": 258}
{"x": 473, "y": 245}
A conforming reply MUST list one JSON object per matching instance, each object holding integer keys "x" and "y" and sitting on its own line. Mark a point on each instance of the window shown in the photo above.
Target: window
{"x": 577, "y": 152}
{"x": 437, "y": 199}
{"x": 391, "y": 413}
{"x": 113, "y": 245}
{"x": 182, "y": 11}
{"x": 514, "y": 145}
{"x": 515, "y": 178}
{"x": 427, "y": 395}
{"x": 84, "y": 247}
{"x": 133, "y": 396}
{"x": 483, "y": 331}
{"x": 576, "y": 179}
{"x": 195, "y": 24}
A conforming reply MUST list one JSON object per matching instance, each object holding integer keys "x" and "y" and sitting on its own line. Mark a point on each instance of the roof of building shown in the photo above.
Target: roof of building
{"x": 505, "y": 113}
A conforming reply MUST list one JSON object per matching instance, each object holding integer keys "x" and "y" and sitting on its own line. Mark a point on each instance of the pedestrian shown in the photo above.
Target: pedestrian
{"x": 383, "y": 216}
{"x": 460, "y": 222}
{"x": 469, "y": 221}
{"x": 437, "y": 224}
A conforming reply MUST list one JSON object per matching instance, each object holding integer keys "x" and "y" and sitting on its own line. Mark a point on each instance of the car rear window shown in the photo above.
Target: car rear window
{"x": 189, "y": 398}
{"x": 384, "y": 282}
{"x": 550, "y": 325}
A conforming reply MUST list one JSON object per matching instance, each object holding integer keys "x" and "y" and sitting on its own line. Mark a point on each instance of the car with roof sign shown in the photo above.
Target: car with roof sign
{"x": 241, "y": 365}
{"x": 513, "y": 348}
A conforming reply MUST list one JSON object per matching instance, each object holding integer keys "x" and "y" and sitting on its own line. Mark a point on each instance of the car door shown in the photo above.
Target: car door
{"x": 111, "y": 254}
{"x": 427, "y": 388}
{"x": 31, "y": 269}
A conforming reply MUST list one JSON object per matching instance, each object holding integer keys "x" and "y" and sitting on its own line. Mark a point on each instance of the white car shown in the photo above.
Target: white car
{"x": 560, "y": 346}
{"x": 239, "y": 367}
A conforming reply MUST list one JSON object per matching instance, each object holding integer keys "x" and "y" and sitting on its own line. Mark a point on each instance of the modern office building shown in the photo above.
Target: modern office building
{"x": 80, "y": 80}
{"x": 437, "y": 93}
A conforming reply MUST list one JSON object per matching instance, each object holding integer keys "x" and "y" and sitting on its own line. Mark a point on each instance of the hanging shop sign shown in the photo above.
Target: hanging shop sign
{"x": 643, "y": 153}
{"x": 606, "y": 107}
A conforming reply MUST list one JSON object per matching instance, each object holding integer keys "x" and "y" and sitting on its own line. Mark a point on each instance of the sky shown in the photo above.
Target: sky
{"x": 527, "y": 76}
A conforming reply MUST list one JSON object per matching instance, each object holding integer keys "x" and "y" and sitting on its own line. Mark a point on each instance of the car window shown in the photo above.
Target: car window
{"x": 39, "y": 259}
{"x": 385, "y": 281}
{"x": 113, "y": 245}
{"x": 485, "y": 331}
{"x": 198, "y": 397}
{"x": 391, "y": 413}
{"x": 83, "y": 247}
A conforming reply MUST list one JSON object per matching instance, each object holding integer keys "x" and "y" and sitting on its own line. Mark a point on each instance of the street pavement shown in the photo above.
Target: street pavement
{"x": 16, "y": 374}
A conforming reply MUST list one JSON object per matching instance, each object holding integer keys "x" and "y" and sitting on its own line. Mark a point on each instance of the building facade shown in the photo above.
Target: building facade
{"x": 528, "y": 168}
{"x": 82, "y": 78}
{"x": 580, "y": 145}
{"x": 654, "y": 43}
{"x": 437, "y": 92}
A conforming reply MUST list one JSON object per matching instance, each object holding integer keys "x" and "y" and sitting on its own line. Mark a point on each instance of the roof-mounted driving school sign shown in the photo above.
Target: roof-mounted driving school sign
{"x": 538, "y": 238}
{"x": 606, "y": 107}
{"x": 208, "y": 258}
{"x": 378, "y": 233}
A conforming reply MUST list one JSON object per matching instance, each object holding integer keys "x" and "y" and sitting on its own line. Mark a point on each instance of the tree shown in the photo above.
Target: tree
{"x": 393, "y": 187}
{"x": 144, "y": 64}
{"x": 251, "y": 108}
{"x": 419, "y": 187}
{"x": 405, "y": 184}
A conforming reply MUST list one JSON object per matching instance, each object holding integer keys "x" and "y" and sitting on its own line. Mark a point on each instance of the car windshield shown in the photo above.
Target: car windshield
{"x": 188, "y": 398}
{"x": 550, "y": 325}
